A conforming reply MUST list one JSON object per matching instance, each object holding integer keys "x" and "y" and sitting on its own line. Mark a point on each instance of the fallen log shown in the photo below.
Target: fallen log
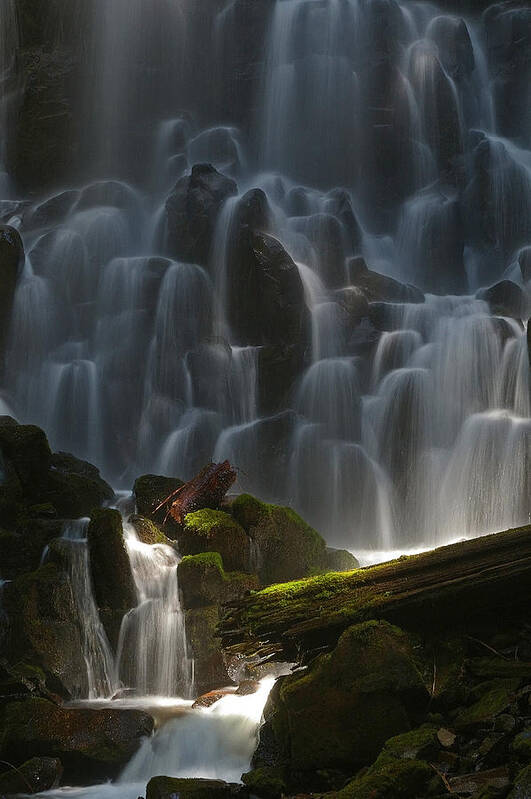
{"x": 205, "y": 490}
{"x": 432, "y": 591}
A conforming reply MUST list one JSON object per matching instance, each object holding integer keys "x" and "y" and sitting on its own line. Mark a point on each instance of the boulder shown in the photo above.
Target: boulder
{"x": 287, "y": 547}
{"x": 205, "y": 647}
{"x": 504, "y": 299}
{"x": 203, "y": 581}
{"x": 266, "y": 301}
{"x": 340, "y": 560}
{"x": 21, "y": 550}
{"x": 90, "y": 743}
{"x": 112, "y": 578}
{"x": 53, "y": 210}
{"x": 401, "y": 779}
{"x": 327, "y": 237}
{"x": 11, "y": 262}
{"x": 267, "y": 782}
{"x": 207, "y": 531}
{"x": 148, "y": 532}
{"x": 152, "y": 489}
{"x": 377, "y": 287}
{"x": 365, "y": 691}
{"x": 169, "y": 787}
{"x": 43, "y": 629}
{"x": 34, "y": 776}
{"x": 192, "y": 210}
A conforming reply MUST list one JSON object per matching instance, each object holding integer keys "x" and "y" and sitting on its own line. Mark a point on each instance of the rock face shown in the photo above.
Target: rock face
{"x": 88, "y": 742}
{"x": 288, "y": 547}
{"x": 380, "y": 288}
{"x": 505, "y": 299}
{"x": 43, "y": 630}
{"x": 114, "y": 587}
{"x": 11, "y": 263}
{"x": 192, "y": 211}
{"x": 35, "y": 775}
{"x": 266, "y": 303}
{"x": 367, "y": 690}
{"x": 215, "y": 531}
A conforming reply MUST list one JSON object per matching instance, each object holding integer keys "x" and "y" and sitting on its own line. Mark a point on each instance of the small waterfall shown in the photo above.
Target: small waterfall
{"x": 96, "y": 650}
{"x": 152, "y": 651}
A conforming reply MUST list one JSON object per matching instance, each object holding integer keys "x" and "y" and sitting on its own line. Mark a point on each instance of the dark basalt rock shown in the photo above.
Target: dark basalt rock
{"x": 11, "y": 262}
{"x": 380, "y": 288}
{"x": 192, "y": 210}
{"x": 505, "y": 299}
{"x": 112, "y": 578}
{"x": 168, "y": 787}
{"x": 150, "y": 491}
{"x": 34, "y": 776}
{"x": 524, "y": 261}
{"x": 266, "y": 303}
{"x": 328, "y": 239}
{"x": 90, "y": 743}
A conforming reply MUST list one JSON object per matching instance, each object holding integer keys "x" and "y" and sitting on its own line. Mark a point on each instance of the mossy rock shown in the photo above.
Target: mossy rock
{"x": 418, "y": 744}
{"x": 34, "y": 776}
{"x": 492, "y": 667}
{"x": 340, "y": 560}
{"x": 170, "y": 787}
{"x": 209, "y": 530}
{"x": 205, "y": 647}
{"x": 400, "y": 779}
{"x": 522, "y": 785}
{"x": 521, "y": 746}
{"x": 152, "y": 489}
{"x": 112, "y": 578}
{"x": 148, "y": 532}
{"x": 287, "y": 547}
{"x": 203, "y": 581}
{"x": 489, "y": 699}
{"x": 95, "y": 743}
{"x": 341, "y": 711}
{"x": 267, "y": 783}
{"x": 21, "y": 551}
{"x": 44, "y": 631}
{"x": 26, "y": 448}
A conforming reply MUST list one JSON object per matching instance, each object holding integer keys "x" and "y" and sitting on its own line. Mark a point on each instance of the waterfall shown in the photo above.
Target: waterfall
{"x": 96, "y": 649}
{"x": 373, "y": 129}
{"x": 152, "y": 653}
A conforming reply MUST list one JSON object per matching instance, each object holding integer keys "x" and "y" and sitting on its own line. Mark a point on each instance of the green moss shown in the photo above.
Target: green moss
{"x": 419, "y": 744}
{"x": 203, "y": 521}
{"x": 267, "y": 782}
{"x": 396, "y": 780}
{"x": 491, "y": 698}
{"x": 202, "y": 560}
{"x": 247, "y": 510}
{"x": 148, "y": 532}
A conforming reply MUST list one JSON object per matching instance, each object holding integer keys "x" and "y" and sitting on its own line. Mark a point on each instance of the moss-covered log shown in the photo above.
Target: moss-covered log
{"x": 429, "y": 592}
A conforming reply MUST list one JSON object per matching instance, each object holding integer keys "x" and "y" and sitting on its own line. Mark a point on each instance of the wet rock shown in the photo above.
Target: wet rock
{"x": 359, "y": 696}
{"x": 340, "y": 560}
{"x": 53, "y": 210}
{"x": 339, "y": 204}
{"x": 266, "y": 302}
{"x": 207, "y": 531}
{"x": 203, "y": 581}
{"x": 148, "y": 532}
{"x": 497, "y": 778}
{"x": 205, "y": 647}
{"x": 288, "y": 548}
{"x": 279, "y": 368}
{"x": 522, "y": 785}
{"x": 192, "y": 210}
{"x": 34, "y": 776}
{"x": 455, "y": 46}
{"x": 89, "y": 743}
{"x": 398, "y": 779}
{"x": 169, "y": 787}
{"x": 150, "y": 490}
{"x": 112, "y": 578}
{"x": 505, "y": 299}
{"x": 354, "y": 300}
{"x": 489, "y": 699}
{"x": 21, "y": 550}
{"x": 43, "y": 630}
{"x": 380, "y": 288}
{"x": 74, "y": 487}
{"x": 209, "y": 699}
{"x": 11, "y": 262}
{"x": 326, "y": 236}
{"x": 247, "y": 687}
{"x": 267, "y": 782}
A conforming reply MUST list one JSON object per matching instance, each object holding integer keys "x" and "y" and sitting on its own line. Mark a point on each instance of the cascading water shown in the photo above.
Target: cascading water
{"x": 136, "y": 352}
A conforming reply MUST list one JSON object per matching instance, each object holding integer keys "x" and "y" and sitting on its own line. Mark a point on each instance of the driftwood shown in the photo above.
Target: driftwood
{"x": 205, "y": 490}
{"x": 427, "y": 592}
